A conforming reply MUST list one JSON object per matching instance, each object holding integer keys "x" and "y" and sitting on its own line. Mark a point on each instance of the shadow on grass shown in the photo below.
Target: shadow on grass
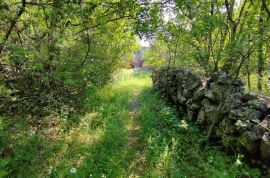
{"x": 173, "y": 145}
{"x": 109, "y": 153}
{"x": 99, "y": 145}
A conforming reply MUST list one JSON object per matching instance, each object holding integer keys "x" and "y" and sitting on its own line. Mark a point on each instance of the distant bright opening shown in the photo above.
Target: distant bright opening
{"x": 144, "y": 43}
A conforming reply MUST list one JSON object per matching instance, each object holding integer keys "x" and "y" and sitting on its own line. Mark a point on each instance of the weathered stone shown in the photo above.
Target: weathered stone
{"x": 238, "y": 82}
{"x": 184, "y": 71}
{"x": 266, "y": 124}
{"x": 236, "y": 114}
{"x": 243, "y": 125}
{"x": 201, "y": 120}
{"x": 206, "y": 103}
{"x": 181, "y": 99}
{"x": 226, "y": 131}
{"x": 220, "y": 105}
{"x": 258, "y": 131}
{"x": 265, "y": 147}
{"x": 220, "y": 75}
{"x": 250, "y": 142}
{"x": 187, "y": 93}
{"x": 198, "y": 95}
{"x": 249, "y": 96}
{"x": 231, "y": 102}
{"x": 191, "y": 115}
{"x": 245, "y": 113}
{"x": 193, "y": 86}
{"x": 226, "y": 126}
{"x": 195, "y": 106}
{"x": 193, "y": 82}
{"x": 259, "y": 104}
{"x": 209, "y": 94}
{"x": 213, "y": 86}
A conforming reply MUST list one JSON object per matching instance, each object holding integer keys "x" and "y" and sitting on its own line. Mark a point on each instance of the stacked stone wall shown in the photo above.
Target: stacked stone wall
{"x": 220, "y": 106}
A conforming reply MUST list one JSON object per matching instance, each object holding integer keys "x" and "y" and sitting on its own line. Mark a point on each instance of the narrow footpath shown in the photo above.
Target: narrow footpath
{"x": 129, "y": 131}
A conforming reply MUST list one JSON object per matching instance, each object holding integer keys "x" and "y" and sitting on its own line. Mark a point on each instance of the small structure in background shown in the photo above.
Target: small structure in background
{"x": 138, "y": 62}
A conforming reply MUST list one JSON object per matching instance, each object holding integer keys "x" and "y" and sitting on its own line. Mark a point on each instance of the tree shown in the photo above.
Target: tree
{"x": 51, "y": 51}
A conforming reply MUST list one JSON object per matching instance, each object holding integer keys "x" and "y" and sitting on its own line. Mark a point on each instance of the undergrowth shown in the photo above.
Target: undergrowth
{"x": 97, "y": 144}
{"x": 174, "y": 145}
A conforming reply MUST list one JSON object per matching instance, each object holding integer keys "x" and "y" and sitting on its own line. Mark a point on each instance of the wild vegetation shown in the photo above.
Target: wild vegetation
{"x": 65, "y": 109}
{"x": 114, "y": 139}
{"x": 208, "y": 36}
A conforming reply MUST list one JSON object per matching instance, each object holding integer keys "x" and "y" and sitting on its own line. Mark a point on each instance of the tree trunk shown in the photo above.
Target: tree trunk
{"x": 260, "y": 53}
{"x": 248, "y": 75}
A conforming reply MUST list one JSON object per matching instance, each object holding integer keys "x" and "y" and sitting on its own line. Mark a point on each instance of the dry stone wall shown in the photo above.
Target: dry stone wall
{"x": 219, "y": 105}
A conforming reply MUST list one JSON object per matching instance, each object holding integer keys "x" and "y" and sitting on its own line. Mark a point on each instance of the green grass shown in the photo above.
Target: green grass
{"x": 107, "y": 142}
{"x": 174, "y": 146}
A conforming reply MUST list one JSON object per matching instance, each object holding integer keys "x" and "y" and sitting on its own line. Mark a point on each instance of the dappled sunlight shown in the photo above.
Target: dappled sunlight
{"x": 106, "y": 88}
{"x": 107, "y": 134}
{"x": 126, "y": 131}
{"x": 163, "y": 161}
{"x": 79, "y": 137}
{"x": 131, "y": 127}
{"x": 183, "y": 124}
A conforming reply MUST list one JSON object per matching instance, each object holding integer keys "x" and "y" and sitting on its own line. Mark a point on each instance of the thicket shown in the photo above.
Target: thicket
{"x": 213, "y": 35}
{"x": 52, "y": 51}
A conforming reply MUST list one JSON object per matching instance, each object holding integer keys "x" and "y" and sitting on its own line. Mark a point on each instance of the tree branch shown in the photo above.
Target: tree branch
{"x": 229, "y": 11}
{"x": 266, "y": 8}
{"x": 241, "y": 11}
{"x": 12, "y": 25}
{"x": 100, "y": 24}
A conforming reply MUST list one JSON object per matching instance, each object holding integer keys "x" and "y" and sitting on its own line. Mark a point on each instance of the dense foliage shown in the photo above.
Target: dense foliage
{"x": 51, "y": 51}
{"x": 108, "y": 143}
{"x": 212, "y": 35}
{"x": 57, "y": 55}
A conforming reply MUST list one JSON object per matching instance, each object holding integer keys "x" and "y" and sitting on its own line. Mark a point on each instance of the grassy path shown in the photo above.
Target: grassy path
{"x": 134, "y": 140}
{"x": 129, "y": 131}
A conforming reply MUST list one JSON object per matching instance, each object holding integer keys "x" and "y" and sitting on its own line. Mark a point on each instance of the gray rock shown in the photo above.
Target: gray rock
{"x": 198, "y": 94}
{"x": 236, "y": 114}
{"x": 187, "y": 93}
{"x": 238, "y": 82}
{"x": 237, "y": 119}
{"x": 250, "y": 142}
{"x": 265, "y": 147}
{"x": 201, "y": 120}
{"x": 259, "y": 104}
{"x": 249, "y": 96}
{"x": 209, "y": 94}
{"x": 194, "y": 106}
{"x": 265, "y": 124}
{"x": 181, "y": 99}
{"x": 206, "y": 103}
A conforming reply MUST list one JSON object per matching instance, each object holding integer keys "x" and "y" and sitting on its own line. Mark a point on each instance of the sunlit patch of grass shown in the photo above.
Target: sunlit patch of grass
{"x": 173, "y": 145}
{"x": 107, "y": 142}
{"x": 101, "y": 144}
